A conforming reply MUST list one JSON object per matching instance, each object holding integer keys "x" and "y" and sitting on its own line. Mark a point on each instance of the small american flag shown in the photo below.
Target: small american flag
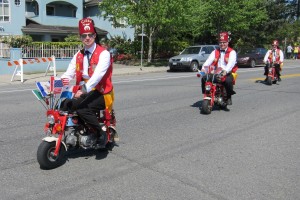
{"x": 57, "y": 86}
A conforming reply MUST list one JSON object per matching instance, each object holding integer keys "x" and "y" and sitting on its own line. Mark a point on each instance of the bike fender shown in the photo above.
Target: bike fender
{"x": 113, "y": 127}
{"x": 208, "y": 98}
{"x": 54, "y": 139}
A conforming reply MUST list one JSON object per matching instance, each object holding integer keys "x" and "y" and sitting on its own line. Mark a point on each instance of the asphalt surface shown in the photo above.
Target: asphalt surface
{"x": 168, "y": 150}
{"x": 118, "y": 69}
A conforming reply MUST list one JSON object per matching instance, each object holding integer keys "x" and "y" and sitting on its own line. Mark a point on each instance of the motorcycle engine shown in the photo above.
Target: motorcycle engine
{"x": 71, "y": 140}
{"x": 219, "y": 100}
{"x": 87, "y": 141}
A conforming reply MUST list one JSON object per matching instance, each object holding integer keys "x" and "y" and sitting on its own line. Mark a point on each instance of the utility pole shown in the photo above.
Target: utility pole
{"x": 142, "y": 48}
{"x": 142, "y": 45}
{"x": 298, "y": 10}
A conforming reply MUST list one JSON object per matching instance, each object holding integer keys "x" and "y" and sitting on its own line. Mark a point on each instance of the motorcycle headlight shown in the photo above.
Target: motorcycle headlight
{"x": 51, "y": 119}
{"x": 207, "y": 87}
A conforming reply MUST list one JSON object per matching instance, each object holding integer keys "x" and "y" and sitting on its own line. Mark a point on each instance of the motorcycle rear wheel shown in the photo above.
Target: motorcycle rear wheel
{"x": 206, "y": 107}
{"x": 45, "y": 156}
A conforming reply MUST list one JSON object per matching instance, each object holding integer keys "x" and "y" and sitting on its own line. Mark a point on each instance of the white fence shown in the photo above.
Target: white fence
{"x": 43, "y": 50}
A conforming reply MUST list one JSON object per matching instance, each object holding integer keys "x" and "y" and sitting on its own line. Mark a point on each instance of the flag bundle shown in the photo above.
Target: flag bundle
{"x": 52, "y": 86}
{"x": 53, "y": 92}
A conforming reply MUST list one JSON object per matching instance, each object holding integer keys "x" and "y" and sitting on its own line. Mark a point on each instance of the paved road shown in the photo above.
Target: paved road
{"x": 168, "y": 150}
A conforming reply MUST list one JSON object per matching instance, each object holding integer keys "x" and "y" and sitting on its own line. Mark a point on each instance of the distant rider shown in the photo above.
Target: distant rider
{"x": 274, "y": 56}
{"x": 225, "y": 58}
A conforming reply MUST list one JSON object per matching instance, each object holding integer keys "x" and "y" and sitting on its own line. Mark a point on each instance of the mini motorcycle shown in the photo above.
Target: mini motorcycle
{"x": 272, "y": 75}
{"x": 66, "y": 131}
{"x": 215, "y": 93}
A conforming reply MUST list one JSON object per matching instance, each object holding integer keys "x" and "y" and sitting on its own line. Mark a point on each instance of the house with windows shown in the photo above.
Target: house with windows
{"x": 50, "y": 21}
{"x": 53, "y": 20}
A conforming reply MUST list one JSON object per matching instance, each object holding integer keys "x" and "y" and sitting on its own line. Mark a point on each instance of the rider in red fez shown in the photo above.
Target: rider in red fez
{"x": 92, "y": 68}
{"x": 225, "y": 58}
{"x": 275, "y": 56}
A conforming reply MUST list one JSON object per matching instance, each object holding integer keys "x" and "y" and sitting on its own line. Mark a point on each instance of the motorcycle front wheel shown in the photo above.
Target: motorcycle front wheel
{"x": 46, "y": 158}
{"x": 269, "y": 80}
{"x": 206, "y": 107}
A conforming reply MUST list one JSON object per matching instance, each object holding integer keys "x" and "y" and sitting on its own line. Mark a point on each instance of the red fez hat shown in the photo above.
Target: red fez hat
{"x": 86, "y": 25}
{"x": 224, "y": 37}
{"x": 275, "y": 42}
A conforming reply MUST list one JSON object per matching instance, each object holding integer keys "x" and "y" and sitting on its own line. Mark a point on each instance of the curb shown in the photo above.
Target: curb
{"x": 117, "y": 71}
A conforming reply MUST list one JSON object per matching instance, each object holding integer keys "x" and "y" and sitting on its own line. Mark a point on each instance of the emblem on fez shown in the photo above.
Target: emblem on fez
{"x": 87, "y": 28}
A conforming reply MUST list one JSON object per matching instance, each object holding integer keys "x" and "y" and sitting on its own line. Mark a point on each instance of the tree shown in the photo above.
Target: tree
{"x": 243, "y": 18}
{"x": 154, "y": 15}
{"x": 282, "y": 24}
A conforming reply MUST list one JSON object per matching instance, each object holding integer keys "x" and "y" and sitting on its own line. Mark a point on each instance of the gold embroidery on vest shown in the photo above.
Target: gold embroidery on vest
{"x": 77, "y": 67}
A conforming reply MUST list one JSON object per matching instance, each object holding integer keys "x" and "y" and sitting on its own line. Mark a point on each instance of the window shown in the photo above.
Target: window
{"x": 17, "y": 2}
{"x": 204, "y": 49}
{"x": 209, "y": 49}
{"x": 4, "y": 11}
{"x": 50, "y": 10}
{"x": 74, "y": 12}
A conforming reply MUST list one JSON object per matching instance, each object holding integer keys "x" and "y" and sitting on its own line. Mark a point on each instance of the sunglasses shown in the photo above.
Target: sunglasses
{"x": 83, "y": 36}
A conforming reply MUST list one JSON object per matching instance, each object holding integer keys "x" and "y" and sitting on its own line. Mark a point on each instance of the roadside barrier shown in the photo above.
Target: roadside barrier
{"x": 21, "y": 62}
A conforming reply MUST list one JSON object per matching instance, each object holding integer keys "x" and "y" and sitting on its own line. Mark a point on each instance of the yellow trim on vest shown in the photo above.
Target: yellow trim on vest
{"x": 77, "y": 67}
{"x": 109, "y": 100}
{"x": 235, "y": 75}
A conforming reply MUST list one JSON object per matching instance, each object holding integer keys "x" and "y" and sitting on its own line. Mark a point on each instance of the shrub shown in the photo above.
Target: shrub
{"x": 18, "y": 41}
{"x": 72, "y": 38}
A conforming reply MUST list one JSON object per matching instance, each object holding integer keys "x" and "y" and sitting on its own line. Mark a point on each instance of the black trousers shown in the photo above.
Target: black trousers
{"x": 86, "y": 106}
{"x": 277, "y": 69}
{"x": 227, "y": 84}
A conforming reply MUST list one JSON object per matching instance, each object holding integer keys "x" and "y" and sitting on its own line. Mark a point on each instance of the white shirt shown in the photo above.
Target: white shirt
{"x": 266, "y": 58}
{"x": 289, "y": 49}
{"x": 100, "y": 69}
{"x": 221, "y": 62}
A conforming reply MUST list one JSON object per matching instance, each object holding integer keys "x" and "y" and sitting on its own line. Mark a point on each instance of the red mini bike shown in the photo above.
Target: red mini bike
{"x": 272, "y": 75}
{"x": 66, "y": 131}
{"x": 215, "y": 93}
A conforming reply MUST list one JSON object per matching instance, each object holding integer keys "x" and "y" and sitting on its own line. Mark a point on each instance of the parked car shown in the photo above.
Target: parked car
{"x": 251, "y": 57}
{"x": 191, "y": 58}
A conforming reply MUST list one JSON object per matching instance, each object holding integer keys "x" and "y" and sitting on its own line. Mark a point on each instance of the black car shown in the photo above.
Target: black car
{"x": 251, "y": 57}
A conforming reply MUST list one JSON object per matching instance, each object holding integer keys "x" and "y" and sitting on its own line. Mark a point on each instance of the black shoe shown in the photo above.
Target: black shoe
{"x": 279, "y": 79}
{"x": 229, "y": 102}
{"x": 101, "y": 142}
{"x": 226, "y": 109}
{"x": 266, "y": 80}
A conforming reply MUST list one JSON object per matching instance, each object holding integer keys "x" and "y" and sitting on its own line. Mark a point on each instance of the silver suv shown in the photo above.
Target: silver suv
{"x": 191, "y": 58}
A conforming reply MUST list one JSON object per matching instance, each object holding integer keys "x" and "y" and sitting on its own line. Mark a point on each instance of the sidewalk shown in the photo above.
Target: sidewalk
{"x": 118, "y": 70}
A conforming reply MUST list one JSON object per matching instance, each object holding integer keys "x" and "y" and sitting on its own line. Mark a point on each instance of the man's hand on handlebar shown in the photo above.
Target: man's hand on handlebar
{"x": 223, "y": 73}
{"x": 78, "y": 94}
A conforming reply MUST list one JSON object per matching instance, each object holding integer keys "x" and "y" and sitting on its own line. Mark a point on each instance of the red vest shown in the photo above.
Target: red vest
{"x": 105, "y": 85}
{"x": 277, "y": 58}
{"x": 226, "y": 58}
